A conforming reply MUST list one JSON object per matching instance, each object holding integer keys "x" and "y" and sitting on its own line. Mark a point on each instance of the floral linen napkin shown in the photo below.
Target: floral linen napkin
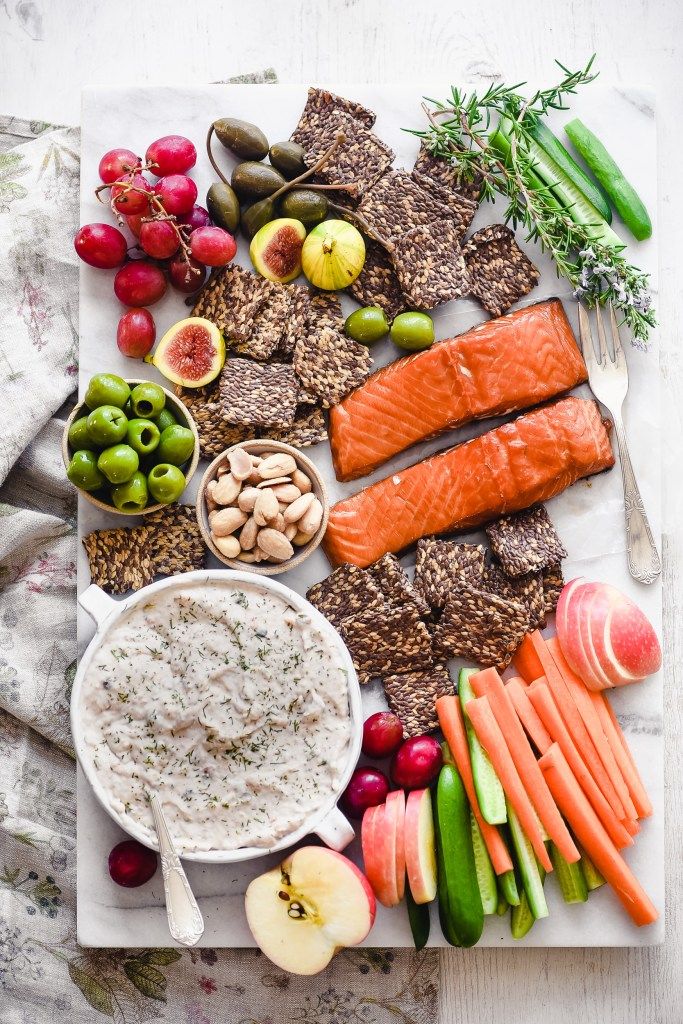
{"x": 44, "y": 974}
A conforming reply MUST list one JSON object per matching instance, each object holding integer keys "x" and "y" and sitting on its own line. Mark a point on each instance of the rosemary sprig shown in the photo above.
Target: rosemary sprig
{"x": 461, "y": 131}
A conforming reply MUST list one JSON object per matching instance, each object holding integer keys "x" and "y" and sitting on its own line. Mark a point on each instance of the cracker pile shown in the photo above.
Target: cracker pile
{"x": 127, "y": 558}
{"x": 381, "y": 618}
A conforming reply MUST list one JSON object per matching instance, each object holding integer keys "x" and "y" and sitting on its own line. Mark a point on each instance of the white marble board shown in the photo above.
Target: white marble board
{"x": 589, "y": 516}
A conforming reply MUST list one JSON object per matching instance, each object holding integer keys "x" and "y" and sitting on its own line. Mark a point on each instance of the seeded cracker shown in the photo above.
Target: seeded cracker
{"x": 325, "y": 311}
{"x": 394, "y": 583}
{"x": 175, "y": 540}
{"x": 256, "y": 395}
{"x": 296, "y": 323}
{"x": 377, "y": 283}
{"x": 413, "y": 695}
{"x": 444, "y": 173}
{"x": 396, "y": 203}
{"x": 215, "y": 433}
{"x": 329, "y": 365}
{"x": 526, "y": 590}
{"x": 322, "y": 106}
{"x": 553, "y": 582}
{"x": 525, "y": 542}
{"x": 500, "y": 273}
{"x": 462, "y": 209}
{"x": 395, "y": 641}
{"x": 269, "y": 323}
{"x": 480, "y": 627}
{"x": 429, "y": 264}
{"x": 346, "y": 591}
{"x": 441, "y": 565}
{"x": 307, "y": 429}
{"x": 360, "y": 160}
{"x": 231, "y": 301}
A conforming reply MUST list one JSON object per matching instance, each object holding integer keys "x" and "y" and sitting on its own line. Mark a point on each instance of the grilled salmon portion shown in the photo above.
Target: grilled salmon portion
{"x": 501, "y": 366}
{"x": 505, "y": 470}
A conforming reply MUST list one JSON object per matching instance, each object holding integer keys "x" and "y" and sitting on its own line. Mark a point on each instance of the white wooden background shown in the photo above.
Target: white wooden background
{"x": 49, "y": 49}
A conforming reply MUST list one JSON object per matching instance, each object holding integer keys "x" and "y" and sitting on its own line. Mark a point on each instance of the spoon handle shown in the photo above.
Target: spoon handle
{"x": 185, "y": 921}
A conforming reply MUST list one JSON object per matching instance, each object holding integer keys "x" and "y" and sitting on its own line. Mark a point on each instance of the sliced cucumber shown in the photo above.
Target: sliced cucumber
{"x": 460, "y": 908}
{"x": 501, "y": 145}
{"x": 487, "y": 784}
{"x": 530, "y": 873}
{"x": 521, "y": 918}
{"x": 542, "y": 135}
{"x": 486, "y": 876}
{"x": 446, "y": 754}
{"x": 507, "y": 883}
{"x": 502, "y": 906}
{"x": 418, "y": 916}
{"x": 570, "y": 877}
{"x": 593, "y": 877}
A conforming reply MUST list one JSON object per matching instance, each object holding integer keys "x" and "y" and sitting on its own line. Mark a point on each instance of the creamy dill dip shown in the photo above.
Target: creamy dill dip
{"x": 228, "y": 702}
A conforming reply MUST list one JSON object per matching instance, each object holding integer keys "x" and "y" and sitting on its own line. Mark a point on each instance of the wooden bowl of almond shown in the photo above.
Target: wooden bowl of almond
{"x": 262, "y": 505}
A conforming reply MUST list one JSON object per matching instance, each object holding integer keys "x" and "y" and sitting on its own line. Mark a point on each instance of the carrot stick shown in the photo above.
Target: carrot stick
{"x": 528, "y": 715}
{"x": 632, "y": 826}
{"x": 489, "y": 684}
{"x": 453, "y": 727}
{"x": 588, "y": 713}
{"x": 542, "y": 700}
{"x": 574, "y": 723}
{"x": 526, "y": 661}
{"x": 623, "y": 755}
{"x": 491, "y": 738}
{"x": 590, "y": 833}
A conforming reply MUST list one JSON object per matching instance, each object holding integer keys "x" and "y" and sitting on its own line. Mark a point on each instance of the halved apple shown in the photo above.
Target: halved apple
{"x": 420, "y": 846}
{"x": 562, "y": 611}
{"x": 394, "y": 817}
{"x": 584, "y": 607}
{"x": 574, "y": 644}
{"x": 625, "y": 643}
{"x": 314, "y": 904}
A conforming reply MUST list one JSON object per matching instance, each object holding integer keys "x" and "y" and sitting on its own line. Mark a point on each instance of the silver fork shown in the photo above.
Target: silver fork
{"x": 608, "y": 377}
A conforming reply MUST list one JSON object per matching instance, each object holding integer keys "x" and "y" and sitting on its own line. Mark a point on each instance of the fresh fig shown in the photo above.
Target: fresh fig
{"x": 242, "y": 138}
{"x": 333, "y": 255}
{"x": 191, "y": 353}
{"x": 275, "y": 249}
{"x": 255, "y": 216}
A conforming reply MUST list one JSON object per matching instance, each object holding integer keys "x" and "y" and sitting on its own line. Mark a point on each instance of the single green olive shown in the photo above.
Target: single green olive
{"x": 166, "y": 483}
{"x": 78, "y": 436}
{"x": 176, "y": 445}
{"x": 106, "y": 389}
{"x": 223, "y": 206}
{"x": 82, "y": 471}
{"x": 106, "y": 425}
{"x": 148, "y": 400}
{"x": 118, "y": 463}
{"x": 366, "y": 325}
{"x": 133, "y": 495}
{"x": 412, "y": 331}
{"x": 143, "y": 436}
{"x": 165, "y": 419}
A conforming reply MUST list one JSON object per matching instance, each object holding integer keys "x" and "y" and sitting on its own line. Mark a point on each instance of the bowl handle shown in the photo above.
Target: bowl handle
{"x": 334, "y": 830}
{"x": 96, "y": 603}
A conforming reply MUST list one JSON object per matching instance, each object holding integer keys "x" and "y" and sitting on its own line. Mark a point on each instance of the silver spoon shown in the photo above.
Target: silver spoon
{"x": 185, "y": 920}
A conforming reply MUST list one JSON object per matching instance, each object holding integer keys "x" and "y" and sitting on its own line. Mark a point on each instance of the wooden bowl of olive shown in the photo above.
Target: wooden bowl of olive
{"x": 130, "y": 447}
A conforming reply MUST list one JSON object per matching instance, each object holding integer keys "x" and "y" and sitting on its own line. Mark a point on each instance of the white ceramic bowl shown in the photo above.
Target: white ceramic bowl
{"x": 327, "y": 822}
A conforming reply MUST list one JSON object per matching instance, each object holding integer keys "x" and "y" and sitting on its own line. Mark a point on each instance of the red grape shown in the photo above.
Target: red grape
{"x": 101, "y": 245}
{"x": 198, "y": 217}
{"x": 382, "y": 734}
{"x": 367, "y": 787}
{"x": 186, "y": 275}
{"x": 417, "y": 762}
{"x": 139, "y": 283}
{"x": 134, "y": 223}
{"x": 174, "y": 154}
{"x": 159, "y": 239}
{"x": 212, "y": 246}
{"x": 136, "y": 333}
{"x": 127, "y": 201}
{"x": 115, "y": 163}
{"x": 132, "y": 864}
{"x": 177, "y": 193}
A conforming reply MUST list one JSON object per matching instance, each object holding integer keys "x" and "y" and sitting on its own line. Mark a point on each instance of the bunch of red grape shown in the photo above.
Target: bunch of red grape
{"x": 174, "y": 238}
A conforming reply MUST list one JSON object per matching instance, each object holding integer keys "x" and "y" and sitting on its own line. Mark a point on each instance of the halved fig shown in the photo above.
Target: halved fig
{"x": 275, "y": 249}
{"x": 191, "y": 353}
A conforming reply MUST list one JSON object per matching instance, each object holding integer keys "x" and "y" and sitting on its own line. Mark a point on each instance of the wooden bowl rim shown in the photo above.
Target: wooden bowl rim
{"x": 178, "y": 404}
{"x": 320, "y": 490}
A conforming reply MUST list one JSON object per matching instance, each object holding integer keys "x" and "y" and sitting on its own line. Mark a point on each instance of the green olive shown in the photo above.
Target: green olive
{"x": 166, "y": 483}
{"x": 288, "y": 158}
{"x": 366, "y": 325}
{"x": 412, "y": 331}
{"x": 165, "y": 419}
{"x": 176, "y": 445}
{"x": 131, "y": 496}
{"x": 78, "y": 436}
{"x": 147, "y": 399}
{"x": 223, "y": 206}
{"x": 143, "y": 436}
{"x": 106, "y": 389}
{"x": 305, "y": 205}
{"x": 118, "y": 463}
{"x": 83, "y": 472}
{"x": 242, "y": 138}
{"x": 252, "y": 180}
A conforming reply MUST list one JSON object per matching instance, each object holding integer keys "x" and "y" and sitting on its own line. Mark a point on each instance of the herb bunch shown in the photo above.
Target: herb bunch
{"x": 461, "y": 131}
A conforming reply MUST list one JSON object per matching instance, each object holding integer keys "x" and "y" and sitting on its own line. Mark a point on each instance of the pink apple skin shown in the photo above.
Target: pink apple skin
{"x": 420, "y": 846}
{"x": 624, "y": 640}
{"x": 382, "y": 881}
{"x": 396, "y": 815}
{"x": 385, "y": 838}
{"x": 564, "y": 604}
{"x": 590, "y": 593}
{"x": 569, "y": 634}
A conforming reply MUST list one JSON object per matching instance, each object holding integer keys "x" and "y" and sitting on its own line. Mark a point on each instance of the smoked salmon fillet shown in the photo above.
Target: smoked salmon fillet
{"x": 531, "y": 459}
{"x": 501, "y": 366}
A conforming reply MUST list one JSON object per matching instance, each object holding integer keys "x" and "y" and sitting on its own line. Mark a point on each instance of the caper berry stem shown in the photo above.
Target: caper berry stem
{"x": 212, "y": 159}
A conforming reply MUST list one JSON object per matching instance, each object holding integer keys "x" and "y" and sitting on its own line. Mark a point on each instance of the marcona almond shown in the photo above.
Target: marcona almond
{"x": 291, "y": 531}
{"x": 240, "y": 464}
{"x": 227, "y": 489}
{"x": 208, "y": 495}
{"x": 298, "y": 507}
{"x": 279, "y": 523}
{"x": 228, "y": 546}
{"x": 227, "y": 521}
{"x": 248, "y": 534}
{"x": 279, "y": 464}
{"x": 273, "y": 483}
{"x": 247, "y": 556}
{"x": 286, "y": 493}
{"x": 301, "y": 538}
{"x": 255, "y": 459}
{"x": 275, "y": 545}
{"x": 247, "y": 498}
{"x": 266, "y": 507}
{"x": 253, "y": 479}
{"x": 300, "y": 480}
{"x": 222, "y": 469}
{"x": 312, "y": 517}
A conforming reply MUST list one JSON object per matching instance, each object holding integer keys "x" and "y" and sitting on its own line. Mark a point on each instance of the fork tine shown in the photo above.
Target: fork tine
{"x": 619, "y": 357}
{"x": 586, "y": 338}
{"x": 602, "y": 337}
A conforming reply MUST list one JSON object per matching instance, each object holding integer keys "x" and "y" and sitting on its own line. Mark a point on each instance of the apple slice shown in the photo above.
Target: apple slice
{"x": 572, "y": 640}
{"x": 420, "y": 846}
{"x": 625, "y": 643}
{"x": 567, "y": 595}
{"x": 584, "y": 612}
{"x": 394, "y": 817}
{"x": 379, "y": 855}
{"x": 314, "y": 904}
